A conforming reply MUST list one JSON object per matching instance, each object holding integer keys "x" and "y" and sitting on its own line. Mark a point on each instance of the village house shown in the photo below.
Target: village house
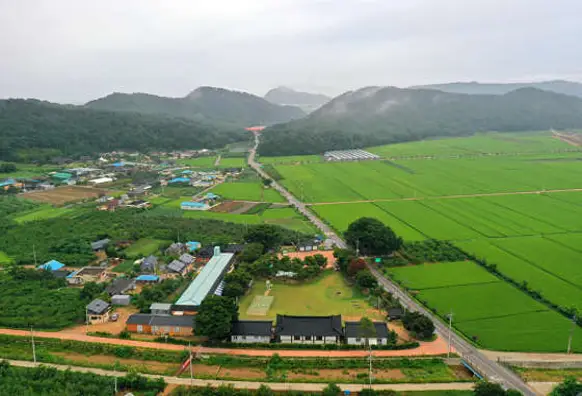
{"x": 149, "y": 264}
{"x": 175, "y": 249}
{"x": 187, "y": 259}
{"x": 309, "y": 329}
{"x": 86, "y": 274}
{"x": 177, "y": 267}
{"x": 395, "y": 313}
{"x": 120, "y": 286}
{"x": 147, "y": 279}
{"x": 251, "y": 331}
{"x": 356, "y": 335}
{"x": 98, "y": 311}
{"x": 161, "y": 325}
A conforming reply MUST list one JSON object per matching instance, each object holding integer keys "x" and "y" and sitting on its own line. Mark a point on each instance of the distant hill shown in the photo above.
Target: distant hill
{"x": 558, "y": 86}
{"x": 287, "y": 96}
{"x": 210, "y": 104}
{"x": 381, "y": 115}
{"x": 31, "y": 129}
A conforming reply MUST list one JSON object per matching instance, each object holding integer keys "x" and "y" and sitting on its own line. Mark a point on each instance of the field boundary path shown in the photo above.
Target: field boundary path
{"x": 491, "y": 370}
{"x": 276, "y": 386}
{"x": 495, "y": 194}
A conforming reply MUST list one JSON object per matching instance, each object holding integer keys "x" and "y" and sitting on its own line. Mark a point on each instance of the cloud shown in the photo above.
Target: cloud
{"x": 73, "y": 51}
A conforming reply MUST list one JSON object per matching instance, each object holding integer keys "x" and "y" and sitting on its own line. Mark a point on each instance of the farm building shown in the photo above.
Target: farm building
{"x": 309, "y": 329}
{"x": 120, "y": 286}
{"x": 194, "y": 206}
{"x": 349, "y": 155}
{"x": 249, "y": 331}
{"x": 160, "y": 324}
{"x": 207, "y": 282}
{"x": 100, "y": 245}
{"x": 52, "y": 265}
{"x": 147, "y": 279}
{"x": 98, "y": 311}
{"x": 101, "y": 180}
{"x": 356, "y": 335}
{"x": 161, "y": 309}
{"x": 120, "y": 299}
{"x": 86, "y": 274}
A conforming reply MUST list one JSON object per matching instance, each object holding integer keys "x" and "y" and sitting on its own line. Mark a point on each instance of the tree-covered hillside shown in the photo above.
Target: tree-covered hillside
{"x": 29, "y": 125}
{"x": 216, "y": 105}
{"x": 476, "y": 88}
{"x": 382, "y": 115}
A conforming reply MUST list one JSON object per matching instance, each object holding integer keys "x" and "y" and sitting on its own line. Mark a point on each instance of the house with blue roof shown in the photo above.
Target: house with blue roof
{"x": 211, "y": 195}
{"x": 52, "y": 265}
{"x": 147, "y": 279}
{"x": 193, "y": 245}
{"x": 194, "y": 206}
{"x": 180, "y": 180}
{"x": 7, "y": 183}
{"x": 187, "y": 172}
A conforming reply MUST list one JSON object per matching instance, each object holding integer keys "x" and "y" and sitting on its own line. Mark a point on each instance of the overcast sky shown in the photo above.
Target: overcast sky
{"x": 77, "y": 50}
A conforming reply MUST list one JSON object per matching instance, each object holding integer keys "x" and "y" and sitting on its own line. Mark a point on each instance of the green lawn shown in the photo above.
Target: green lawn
{"x": 247, "y": 191}
{"x": 123, "y": 267}
{"x": 232, "y": 162}
{"x": 328, "y": 295}
{"x": 144, "y": 247}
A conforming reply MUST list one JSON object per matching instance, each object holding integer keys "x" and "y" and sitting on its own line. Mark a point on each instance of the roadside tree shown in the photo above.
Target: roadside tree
{"x": 372, "y": 237}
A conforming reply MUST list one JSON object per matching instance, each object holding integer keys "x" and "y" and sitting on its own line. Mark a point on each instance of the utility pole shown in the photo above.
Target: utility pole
{"x": 191, "y": 374}
{"x": 115, "y": 377}
{"x": 370, "y": 372}
{"x": 450, "y": 332}
{"x": 86, "y": 321}
{"x": 34, "y": 254}
{"x": 571, "y": 335}
{"x": 357, "y": 247}
{"x": 33, "y": 346}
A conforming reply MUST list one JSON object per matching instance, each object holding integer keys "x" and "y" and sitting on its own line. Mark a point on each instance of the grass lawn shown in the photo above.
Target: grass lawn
{"x": 328, "y": 295}
{"x": 232, "y": 162}
{"x": 123, "y": 267}
{"x": 144, "y": 247}
{"x": 200, "y": 162}
{"x": 4, "y": 258}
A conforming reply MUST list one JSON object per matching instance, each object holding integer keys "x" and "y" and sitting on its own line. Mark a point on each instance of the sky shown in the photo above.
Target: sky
{"x": 72, "y": 51}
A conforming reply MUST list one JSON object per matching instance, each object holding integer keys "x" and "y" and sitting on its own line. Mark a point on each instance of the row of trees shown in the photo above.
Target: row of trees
{"x": 52, "y": 382}
{"x": 7, "y": 168}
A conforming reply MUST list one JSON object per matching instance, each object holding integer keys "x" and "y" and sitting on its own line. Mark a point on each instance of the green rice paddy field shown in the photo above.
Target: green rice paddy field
{"x": 513, "y": 200}
{"x": 486, "y": 309}
{"x": 247, "y": 191}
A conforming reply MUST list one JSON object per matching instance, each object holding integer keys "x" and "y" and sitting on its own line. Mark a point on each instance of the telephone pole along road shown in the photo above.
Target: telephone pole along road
{"x": 487, "y": 368}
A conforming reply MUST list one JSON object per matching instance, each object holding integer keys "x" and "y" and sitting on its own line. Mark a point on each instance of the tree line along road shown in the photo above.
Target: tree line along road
{"x": 489, "y": 369}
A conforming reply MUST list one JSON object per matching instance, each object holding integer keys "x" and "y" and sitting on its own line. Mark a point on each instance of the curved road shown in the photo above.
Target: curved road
{"x": 489, "y": 369}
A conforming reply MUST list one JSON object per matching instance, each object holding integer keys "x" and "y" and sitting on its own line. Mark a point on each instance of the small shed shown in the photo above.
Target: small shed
{"x": 161, "y": 309}
{"x": 100, "y": 245}
{"x": 147, "y": 279}
{"x": 395, "y": 313}
{"x": 120, "y": 299}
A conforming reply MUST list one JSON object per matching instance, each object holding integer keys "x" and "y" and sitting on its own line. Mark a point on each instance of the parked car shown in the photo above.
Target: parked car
{"x": 114, "y": 317}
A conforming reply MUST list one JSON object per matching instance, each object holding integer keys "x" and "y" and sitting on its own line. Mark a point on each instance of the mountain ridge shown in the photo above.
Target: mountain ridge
{"x": 288, "y": 96}
{"x": 476, "y": 88}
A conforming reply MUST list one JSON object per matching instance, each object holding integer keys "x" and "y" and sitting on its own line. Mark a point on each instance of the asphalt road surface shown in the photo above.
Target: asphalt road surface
{"x": 489, "y": 369}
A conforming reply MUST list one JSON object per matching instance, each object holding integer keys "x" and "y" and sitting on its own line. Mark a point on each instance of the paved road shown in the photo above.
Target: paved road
{"x": 300, "y": 206}
{"x": 276, "y": 386}
{"x": 488, "y": 368}
{"x": 436, "y": 348}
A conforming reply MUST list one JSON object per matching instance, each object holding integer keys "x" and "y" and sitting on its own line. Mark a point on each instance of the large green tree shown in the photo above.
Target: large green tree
{"x": 267, "y": 235}
{"x": 215, "y": 317}
{"x": 372, "y": 237}
{"x": 569, "y": 387}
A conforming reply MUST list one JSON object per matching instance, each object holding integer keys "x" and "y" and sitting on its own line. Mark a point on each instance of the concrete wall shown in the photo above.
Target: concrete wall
{"x": 309, "y": 340}
{"x": 362, "y": 341}
{"x": 250, "y": 339}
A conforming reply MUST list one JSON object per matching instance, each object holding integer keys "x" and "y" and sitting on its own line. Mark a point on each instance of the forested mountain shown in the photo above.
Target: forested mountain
{"x": 287, "y": 96}
{"x": 558, "y": 86}
{"x": 210, "y": 104}
{"x": 381, "y": 115}
{"x": 32, "y": 126}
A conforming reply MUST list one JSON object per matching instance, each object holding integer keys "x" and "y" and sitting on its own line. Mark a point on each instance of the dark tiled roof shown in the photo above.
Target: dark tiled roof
{"x": 101, "y": 244}
{"x": 309, "y": 325}
{"x": 176, "y": 266}
{"x": 60, "y": 274}
{"x": 97, "y": 307}
{"x": 252, "y": 327}
{"x": 119, "y": 286}
{"x": 187, "y": 258}
{"x": 395, "y": 312}
{"x": 161, "y": 320}
{"x": 233, "y": 248}
{"x": 353, "y": 330}
{"x": 149, "y": 263}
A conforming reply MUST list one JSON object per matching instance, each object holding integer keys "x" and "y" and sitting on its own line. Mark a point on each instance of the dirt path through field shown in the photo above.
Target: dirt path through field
{"x": 447, "y": 197}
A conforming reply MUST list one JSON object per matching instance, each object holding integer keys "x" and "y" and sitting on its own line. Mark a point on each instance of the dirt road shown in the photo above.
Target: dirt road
{"x": 438, "y": 347}
{"x": 276, "y": 386}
